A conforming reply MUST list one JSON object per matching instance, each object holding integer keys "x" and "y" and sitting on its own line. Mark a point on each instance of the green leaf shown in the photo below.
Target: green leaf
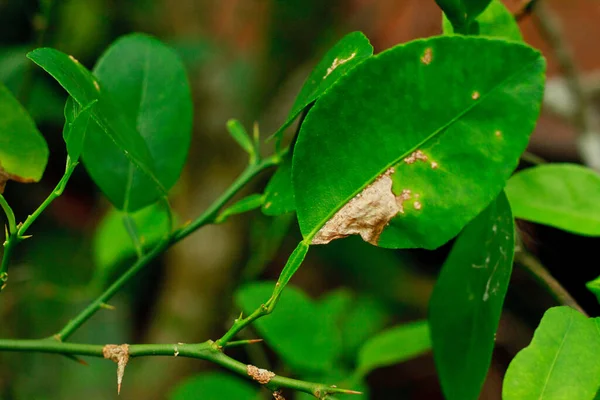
{"x": 461, "y": 13}
{"x": 560, "y": 363}
{"x": 350, "y": 51}
{"x": 85, "y": 89}
{"x": 239, "y": 134}
{"x": 393, "y": 346}
{"x": 214, "y": 386}
{"x": 566, "y": 196}
{"x": 113, "y": 243}
{"x": 76, "y": 124}
{"x": 279, "y": 194}
{"x": 466, "y": 303}
{"x": 297, "y": 330}
{"x": 495, "y": 21}
{"x": 23, "y": 150}
{"x": 244, "y": 205}
{"x": 148, "y": 84}
{"x": 424, "y": 160}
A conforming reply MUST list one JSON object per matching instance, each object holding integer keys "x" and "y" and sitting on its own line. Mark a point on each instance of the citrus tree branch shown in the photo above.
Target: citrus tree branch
{"x": 208, "y": 351}
{"x": 207, "y": 217}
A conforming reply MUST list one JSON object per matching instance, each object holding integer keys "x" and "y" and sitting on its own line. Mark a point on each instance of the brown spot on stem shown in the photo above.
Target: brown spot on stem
{"x": 427, "y": 56}
{"x": 120, "y": 355}
{"x": 262, "y": 376}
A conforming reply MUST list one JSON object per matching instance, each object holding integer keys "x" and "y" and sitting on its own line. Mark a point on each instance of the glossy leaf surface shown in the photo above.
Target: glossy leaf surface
{"x": 560, "y": 363}
{"x": 466, "y": 303}
{"x": 566, "y": 196}
{"x": 446, "y": 118}
{"x": 461, "y": 13}
{"x": 147, "y": 82}
{"x": 23, "y": 150}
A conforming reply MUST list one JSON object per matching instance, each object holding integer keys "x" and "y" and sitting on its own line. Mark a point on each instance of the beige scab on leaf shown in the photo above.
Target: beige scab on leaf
{"x": 262, "y": 376}
{"x": 427, "y": 56}
{"x": 367, "y": 214}
{"x": 74, "y": 59}
{"x": 416, "y": 156}
{"x": 498, "y": 134}
{"x": 337, "y": 62}
{"x": 475, "y": 95}
{"x": 120, "y": 355}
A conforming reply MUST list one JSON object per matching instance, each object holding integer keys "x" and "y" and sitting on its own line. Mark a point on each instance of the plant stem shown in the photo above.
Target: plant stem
{"x": 205, "y": 351}
{"x": 206, "y": 218}
{"x": 536, "y": 269}
{"x": 17, "y": 233}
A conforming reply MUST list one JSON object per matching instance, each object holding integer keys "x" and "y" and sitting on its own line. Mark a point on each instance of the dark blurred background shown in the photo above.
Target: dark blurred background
{"x": 247, "y": 59}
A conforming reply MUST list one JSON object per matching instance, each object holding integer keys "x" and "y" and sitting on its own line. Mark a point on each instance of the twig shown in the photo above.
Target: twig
{"x": 535, "y": 268}
{"x": 18, "y": 233}
{"x": 525, "y": 10}
{"x": 584, "y": 117}
{"x": 206, "y": 218}
{"x": 205, "y": 351}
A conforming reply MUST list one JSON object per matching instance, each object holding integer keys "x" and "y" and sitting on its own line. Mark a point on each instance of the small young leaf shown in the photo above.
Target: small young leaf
{"x": 239, "y": 134}
{"x": 23, "y": 150}
{"x": 394, "y": 346}
{"x": 76, "y": 125}
{"x": 466, "y": 304}
{"x": 399, "y": 159}
{"x": 290, "y": 268}
{"x": 279, "y": 194}
{"x": 113, "y": 243}
{"x": 214, "y": 386}
{"x": 303, "y": 337}
{"x": 461, "y": 13}
{"x": 560, "y": 363}
{"x": 350, "y": 51}
{"x": 495, "y": 21}
{"x": 246, "y": 204}
{"x": 147, "y": 83}
{"x": 566, "y": 196}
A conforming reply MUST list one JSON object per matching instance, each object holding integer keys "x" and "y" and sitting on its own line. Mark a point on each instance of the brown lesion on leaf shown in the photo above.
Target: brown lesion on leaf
{"x": 367, "y": 214}
{"x": 5, "y": 177}
{"x": 415, "y": 156}
{"x": 262, "y": 376}
{"x": 278, "y": 395}
{"x": 427, "y": 56}
{"x": 337, "y": 62}
{"x": 120, "y": 355}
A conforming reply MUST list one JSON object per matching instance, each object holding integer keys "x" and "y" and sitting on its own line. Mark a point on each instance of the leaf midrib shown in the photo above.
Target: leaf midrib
{"x": 556, "y": 358}
{"x": 310, "y": 236}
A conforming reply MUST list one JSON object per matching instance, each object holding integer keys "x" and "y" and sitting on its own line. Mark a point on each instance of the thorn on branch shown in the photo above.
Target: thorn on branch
{"x": 107, "y": 306}
{"x": 120, "y": 355}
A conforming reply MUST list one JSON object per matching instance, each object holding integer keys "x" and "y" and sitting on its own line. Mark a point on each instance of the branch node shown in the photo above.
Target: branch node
{"x": 120, "y": 355}
{"x": 262, "y": 376}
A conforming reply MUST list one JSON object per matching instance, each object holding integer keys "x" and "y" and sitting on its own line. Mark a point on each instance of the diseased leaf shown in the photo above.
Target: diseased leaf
{"x": 394, "y": 346}
{"x": 495, "y": 21}
{"x": 23, "y": 150}
{"x": 566, "y": 196}
{"x": 350, "y": 51}
{"x": 214, "y": 386}
{"x": 466, "y": 304}
{"x": 560, "y": 363}
{"x": 147, "y": 83}
{"x": 113, "y": 243}
{"x": 425, "y": 132}
{"x": 296, "y": 330}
